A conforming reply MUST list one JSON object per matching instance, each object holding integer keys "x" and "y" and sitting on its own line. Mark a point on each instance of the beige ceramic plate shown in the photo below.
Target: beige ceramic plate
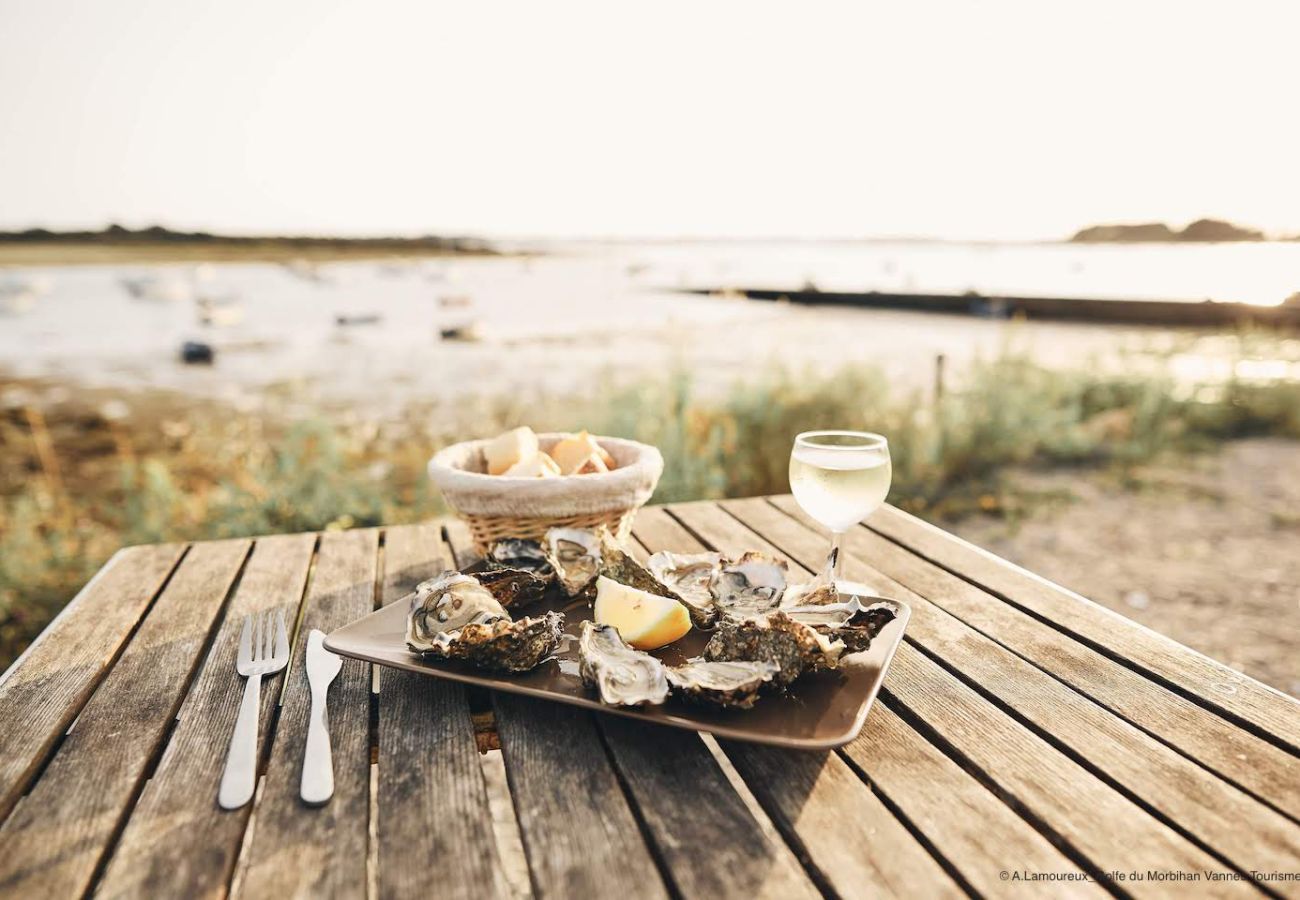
{"x": 821, "y": 710}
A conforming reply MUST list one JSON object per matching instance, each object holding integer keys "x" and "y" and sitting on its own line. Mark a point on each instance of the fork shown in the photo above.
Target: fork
{"x": 261, "y": 652}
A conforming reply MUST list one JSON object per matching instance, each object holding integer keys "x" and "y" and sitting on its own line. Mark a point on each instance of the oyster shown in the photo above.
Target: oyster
{"x": 791, "y": 646}
{"x": 502, "y": 645}
{"x": 517, "y": 572}
{"x": 525, "y": 555}
{"x": 445, "y": 604}
{"x": 750, "y": 586}
{"x": 818, "y": 604}
{"x": 722, "y": 685}
{"x": 863, "y": 627}
{"x": 621, "y": 675}
{"x": 688, "y": 576}
{"x": 621, "y": 566}
{"x": 575, "y": 553}
{"x": 453, "y": 616}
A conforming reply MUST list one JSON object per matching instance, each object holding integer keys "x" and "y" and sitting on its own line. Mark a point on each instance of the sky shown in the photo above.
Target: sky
{"x": 987, "y": 120}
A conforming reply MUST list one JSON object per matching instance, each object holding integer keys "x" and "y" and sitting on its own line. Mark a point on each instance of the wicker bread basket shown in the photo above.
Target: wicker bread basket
{"x": 496, "y": 507}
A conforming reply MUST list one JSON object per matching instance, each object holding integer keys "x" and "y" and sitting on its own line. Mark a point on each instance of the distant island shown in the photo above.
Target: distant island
{"x": 1200, "y": 231}
{"x": 117, "y": 244}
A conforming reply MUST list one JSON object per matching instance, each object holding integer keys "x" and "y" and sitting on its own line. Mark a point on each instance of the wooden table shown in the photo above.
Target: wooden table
{"x": 1025, "y": 737}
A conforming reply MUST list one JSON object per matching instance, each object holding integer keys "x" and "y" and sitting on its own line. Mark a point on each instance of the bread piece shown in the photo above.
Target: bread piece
{"x": 574, "y": 455}
{"x": 510, "y": 449}
{"x": 539, "y": 465}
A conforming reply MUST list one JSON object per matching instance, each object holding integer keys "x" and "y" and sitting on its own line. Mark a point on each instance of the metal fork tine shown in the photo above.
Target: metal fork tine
{"x": 268, "y": 637}
{"x": 257, "y": 637}
{"x": 246, "y": 642}
{"x": 281, "y": 638}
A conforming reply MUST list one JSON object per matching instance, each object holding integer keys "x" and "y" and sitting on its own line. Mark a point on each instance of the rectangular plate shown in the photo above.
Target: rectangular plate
{"x": 822, "y": 710}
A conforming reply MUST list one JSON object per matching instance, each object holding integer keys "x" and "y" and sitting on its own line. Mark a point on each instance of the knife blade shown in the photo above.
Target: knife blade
{"x": 318, "y": 761}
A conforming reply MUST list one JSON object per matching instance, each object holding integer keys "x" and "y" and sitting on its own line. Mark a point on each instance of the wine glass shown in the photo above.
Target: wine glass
{"x": 839, "y": 478}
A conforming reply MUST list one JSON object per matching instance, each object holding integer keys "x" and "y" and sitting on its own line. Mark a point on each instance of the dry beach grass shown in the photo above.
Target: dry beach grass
{"x": 86, "y": 471}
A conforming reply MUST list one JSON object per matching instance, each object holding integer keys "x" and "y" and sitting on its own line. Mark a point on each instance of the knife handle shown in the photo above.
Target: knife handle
{"x": 318, "y": 760}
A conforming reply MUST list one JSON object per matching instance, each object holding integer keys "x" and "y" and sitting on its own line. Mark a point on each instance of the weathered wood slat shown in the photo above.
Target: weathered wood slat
{"x": 1126, "y": 828}
{"x": 820, "y": 806}
{"x": 838, "y": 825}
{"x": 579, "y": 834}
{"x": 1098, "y": 822}
{"x": 53, "y": 842}
{"x": 297, "y": 850}
{"x": 978, "y": 834}
{"x": 707, "y": 838}
{"x": 1147, "y": 766}
{"x": 43, "y": 691}
{"x": 178, "y": 842}
{"x": 1215, "y": 684}
{"x": 432, "y": 808}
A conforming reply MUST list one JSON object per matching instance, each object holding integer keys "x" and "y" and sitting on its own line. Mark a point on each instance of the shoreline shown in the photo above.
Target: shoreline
{"x": 62, "y": 253}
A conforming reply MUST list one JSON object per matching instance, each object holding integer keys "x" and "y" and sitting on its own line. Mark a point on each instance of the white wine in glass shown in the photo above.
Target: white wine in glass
{"x": 839, "y": 478}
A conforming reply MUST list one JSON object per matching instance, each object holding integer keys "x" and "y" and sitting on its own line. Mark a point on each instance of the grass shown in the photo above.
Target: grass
{"x": 78, "y": 485}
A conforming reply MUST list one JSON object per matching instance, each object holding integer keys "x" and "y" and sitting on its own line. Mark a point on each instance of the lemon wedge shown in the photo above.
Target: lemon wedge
{"x": 644, "y": 620}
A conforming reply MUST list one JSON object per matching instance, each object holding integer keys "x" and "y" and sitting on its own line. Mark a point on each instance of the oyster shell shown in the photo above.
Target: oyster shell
{"x": 863, "y": 627}
{"x": 688, "y": 576}
{"x": 502, "y": 645}
{"x": 818, "y": 604}
{"x": 621, "y": 675}
{"x": 445, "y": 604}
{"x": 517, "y": 553}
{"x": 721, "y": 685}
{"x": 453, "y": 616}
{"x": 750, "y": 586}
{"x": 575, "y": 553}
{"x": 791, "y": 646}
{"x": 518, "y": 572}
{"x": 621, "y": 566}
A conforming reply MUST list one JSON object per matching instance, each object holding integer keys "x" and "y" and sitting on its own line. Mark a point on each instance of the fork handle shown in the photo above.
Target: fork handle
{"x": 317, "y": 762}
{"x": 240, "y": 777}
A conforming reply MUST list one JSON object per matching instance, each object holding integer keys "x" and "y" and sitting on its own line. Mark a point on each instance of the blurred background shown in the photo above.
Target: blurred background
{"x": 259, "y": 261}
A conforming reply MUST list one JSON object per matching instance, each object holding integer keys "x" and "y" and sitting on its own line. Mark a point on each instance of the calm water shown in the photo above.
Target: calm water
{"x": 587, "y": 312}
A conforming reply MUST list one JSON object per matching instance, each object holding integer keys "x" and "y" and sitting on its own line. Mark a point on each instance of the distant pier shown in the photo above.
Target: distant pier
{"x": 1130, "y": 312}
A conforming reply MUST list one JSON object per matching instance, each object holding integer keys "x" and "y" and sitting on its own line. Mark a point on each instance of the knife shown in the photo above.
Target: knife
{"x": 318, "y": 762}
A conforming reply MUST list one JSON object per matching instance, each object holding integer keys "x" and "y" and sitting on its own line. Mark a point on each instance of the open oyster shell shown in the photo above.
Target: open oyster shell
{"x": 518, "y": 572}
{"x": 575, "y": 553}
{"x": 453, "y": 616}
{"x": 445, "y": 604}
{"x": 622, "y": 676}
{"x": 791, "y": 646}
{"x": 721, "y": 685}
{"x": 502, "y": 645}
{"x": 750, "y": 586}
{"x": 689, "y": 576}
{"x": 518, "y": 553}
{"x": 820, "y": 605}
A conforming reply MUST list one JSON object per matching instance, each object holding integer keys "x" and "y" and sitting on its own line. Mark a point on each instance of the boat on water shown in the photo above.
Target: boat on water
{"x": 219, "y": 310}
{"x": 159, "y": 287}
{"x": 19, "y": 295}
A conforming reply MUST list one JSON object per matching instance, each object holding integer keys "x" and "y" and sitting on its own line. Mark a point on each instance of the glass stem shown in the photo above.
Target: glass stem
{"x": 833, "y": 566}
